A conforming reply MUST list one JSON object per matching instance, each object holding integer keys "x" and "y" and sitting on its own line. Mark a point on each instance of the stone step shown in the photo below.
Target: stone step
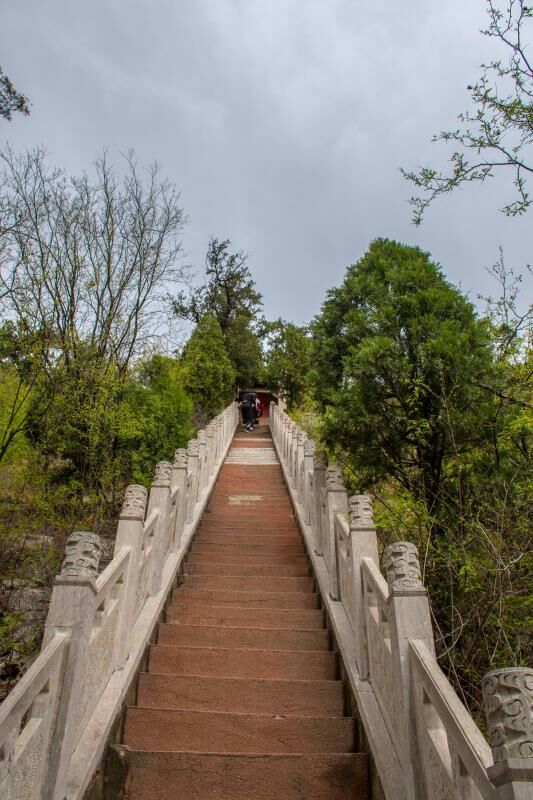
{"x": 231, "y": 617}
{"x": 242, "y": 638}
{"x": 257, "y": 540}
{"x": 268, "y": 559}
{"x": 241, "y": 695}
{"x": 245, "y": 569}
{"x": 218, "y": 661}
{"x": 225, "y": 732}
{"x": 310, "y": 776}
{"x": 246, "y": 599}
{"x": 294, "y": 548}
{"x": 247, "y": 583}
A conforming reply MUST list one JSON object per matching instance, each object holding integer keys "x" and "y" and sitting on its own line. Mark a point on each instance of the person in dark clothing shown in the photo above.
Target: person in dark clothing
{"x": 246, "y": 404}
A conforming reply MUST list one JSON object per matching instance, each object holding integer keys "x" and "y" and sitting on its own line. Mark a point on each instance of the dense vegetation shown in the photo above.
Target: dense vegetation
{"x": 428, "y": 408}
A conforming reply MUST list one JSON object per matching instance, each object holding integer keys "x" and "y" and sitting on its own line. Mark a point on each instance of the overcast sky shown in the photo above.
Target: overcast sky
{"x": 282, "y": 122}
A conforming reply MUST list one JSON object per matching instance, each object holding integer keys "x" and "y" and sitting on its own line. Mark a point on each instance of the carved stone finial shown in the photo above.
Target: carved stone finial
{"x": 163, "y": 473}
{"x": 402, "y": 566}
{"x": 82, "y": 555}
{"x": 309, "y": 447}
{"x": 134, "y": 504}
{"x": 360, "y": 506}
{"x": 334, "y": 481}
{"x": 180, "y": 458}
{"x": 318, "y": 463}
{"x": 192, "y": 448}
{"x": 202, "y": 436}
{"x": 508, "y": 696}
{"x": 301, "y": 436}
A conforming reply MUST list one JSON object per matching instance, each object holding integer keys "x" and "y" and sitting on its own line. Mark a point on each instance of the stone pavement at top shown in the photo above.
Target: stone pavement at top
{"x": 242, "y": 697}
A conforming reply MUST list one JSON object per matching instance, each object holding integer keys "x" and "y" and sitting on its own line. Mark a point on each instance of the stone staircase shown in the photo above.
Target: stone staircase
{"x": 242, "y": 697}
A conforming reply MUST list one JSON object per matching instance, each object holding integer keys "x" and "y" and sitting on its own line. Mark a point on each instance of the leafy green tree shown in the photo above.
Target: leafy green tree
{"x": 397, "y": 351}
{"x": 231, "y": 296}
{"x": 155, "y": 417}
{"x": 287, "y": 360}
{"x": 499, "y": 131}
{"x": 207, "y": 372}
{"x": 10, "y": 99}
{"x": 405, "y": 374}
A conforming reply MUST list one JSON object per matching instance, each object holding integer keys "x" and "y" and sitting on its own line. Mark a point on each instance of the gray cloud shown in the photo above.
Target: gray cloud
{"x": 282, "y": 123}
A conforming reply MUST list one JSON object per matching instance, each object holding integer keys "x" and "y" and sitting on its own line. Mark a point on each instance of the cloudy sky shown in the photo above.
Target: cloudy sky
{"x": 282, "y": 122}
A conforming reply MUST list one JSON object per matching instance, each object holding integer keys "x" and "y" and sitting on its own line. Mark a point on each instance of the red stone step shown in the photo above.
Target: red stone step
{"x": 231, "y": 617}
{"x": 246, "y": 599}
{"x": 267, "y": 559}
{"x": 224, "y": 732}
{"x": 218, "y": 661}
{"x": 242, "y": 549}
{"x": 249, "y": 538}
{"x": 202, "y": 776}
{"x": 247, "y": 583}
{"x": 244, "y": 569}
{"x": 270, "y": 639}
{"x": 244, "y": 695}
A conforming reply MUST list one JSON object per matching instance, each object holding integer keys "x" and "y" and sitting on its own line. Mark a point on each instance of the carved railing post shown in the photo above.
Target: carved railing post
{"x": 202, "y": 460}
{"x": 318, "y": 500}
{"x": 336, "y": 502}
{"x": 301, "y": 439}
{"x": 179, "y": 481}
{"x": 306, "y": 497}
{"x": 364, "y": 545}
{"x": 210, "y": 449}
{"x": 508, "y": 696}
{"x": 409, "y": 619}
{"x": 192, "y": 490}
{"x": 130, "y": 534}
{"x": 160, "y": 500}
{"x": 294, "y": 455}
{"x": 72, "y": 610}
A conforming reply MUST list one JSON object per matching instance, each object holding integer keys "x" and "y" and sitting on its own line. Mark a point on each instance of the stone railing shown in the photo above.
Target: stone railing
{"x": 55, "y": 724}
{"x": 424, "y": 743}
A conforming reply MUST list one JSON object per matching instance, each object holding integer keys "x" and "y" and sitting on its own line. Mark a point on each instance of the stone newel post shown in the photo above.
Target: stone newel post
{"x": 299, "y": 477}
{"x": 508, "y": 696}
{"x": 192, "y": 490}
{"x": 72, "y": 611}
{"x": 179, "y": 480}
{"x": 364, "y": 545}
{"x": 317, "y": 514}
{"x": 202, "y": 460}
{"x": 409, "y": 619}
{"x": 306, "y": 499}
{"x": 160, "y": 499}
{"x": 210, "y": 445}
{"x": 130, "y": 534}
{"x": 336, "y": 503}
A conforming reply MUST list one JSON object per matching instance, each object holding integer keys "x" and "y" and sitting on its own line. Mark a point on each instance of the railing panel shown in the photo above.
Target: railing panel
{"x": 27, "y": 720}
{"x": 345, "y": 567}
{"x": 380, "y": 658}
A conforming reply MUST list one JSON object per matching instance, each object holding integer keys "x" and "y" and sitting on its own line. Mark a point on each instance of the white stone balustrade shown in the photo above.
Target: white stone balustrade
{"x": 55, "y": 724}
{"x": 425, "y": 744}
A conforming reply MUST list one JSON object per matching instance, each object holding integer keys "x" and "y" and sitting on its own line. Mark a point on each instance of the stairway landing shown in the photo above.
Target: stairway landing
{"x": 242, "y": 698}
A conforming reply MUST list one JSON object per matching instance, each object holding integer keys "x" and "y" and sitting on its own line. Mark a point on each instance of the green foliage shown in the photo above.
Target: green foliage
{"x": 499, "y": 131}
{"x": 10, "y": 99}
{"x": 230, "y": 295}
{"x": 207, "y": 372}
{"x": 429, "y": 409}
{"x": 155, "y": 417}
{"x": 397, "y": 355}
{"x": 288, "y": 360}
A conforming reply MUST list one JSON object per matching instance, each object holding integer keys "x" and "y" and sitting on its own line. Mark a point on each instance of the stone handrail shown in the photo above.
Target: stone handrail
{"x": 424, "y": 742}
{"x": 55, "y": 724}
